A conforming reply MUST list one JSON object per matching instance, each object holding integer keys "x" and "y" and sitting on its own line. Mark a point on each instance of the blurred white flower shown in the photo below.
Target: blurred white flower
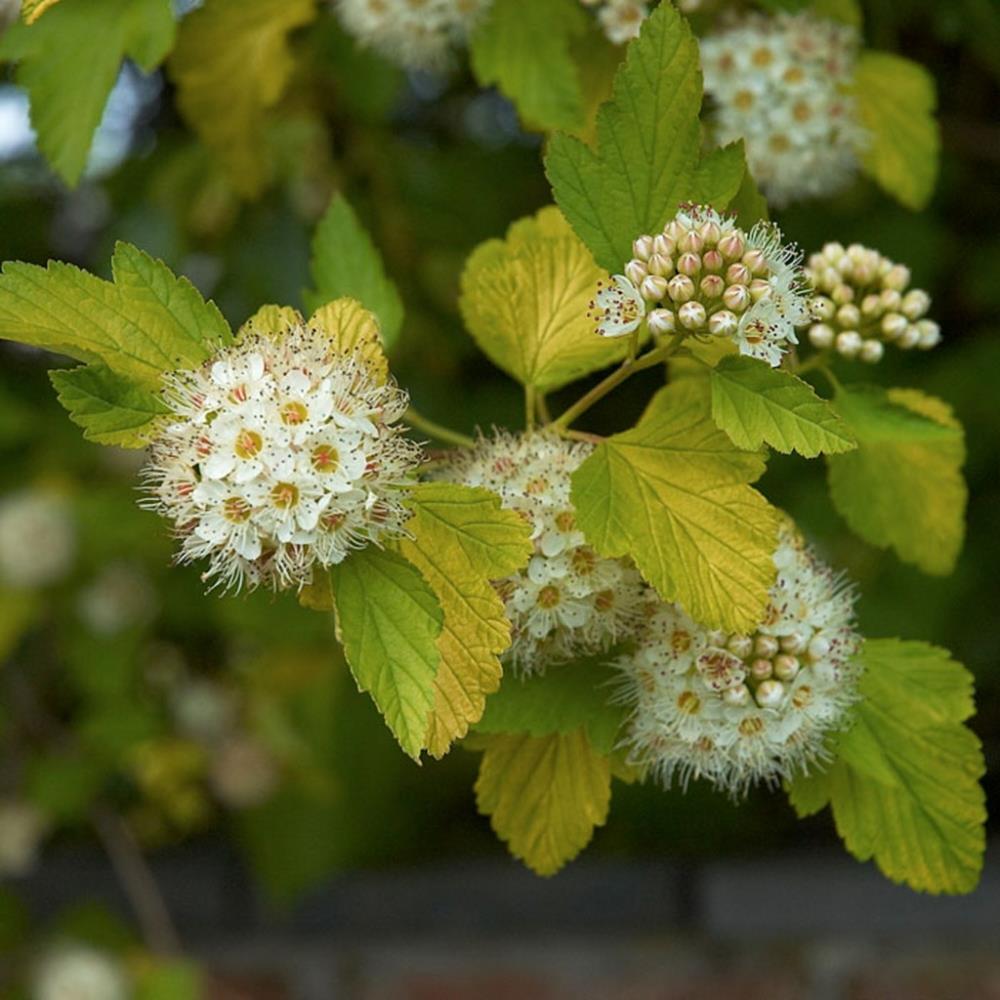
{"x": 79, "y": 972}
{"x": 37, "y": 539}
{"x": 121, "y": 596}
{"x": 243, "y": 772}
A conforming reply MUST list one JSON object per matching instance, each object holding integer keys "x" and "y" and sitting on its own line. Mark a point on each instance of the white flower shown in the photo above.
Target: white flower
{"x": 79, "y": 972}
{"x": 568, "y": 601}
{"x": 243, "y": 772}
{"x": 283, "y": 455}
{"x": 704, "y": 275}
{"x": 740, "y": 709}
{"x": 617, "y": 309}
{"x": 121, "y": 596}
{"x": 862, "y": 300}
{"x": 37, "y": 539}
{"x": 21, "y": 829}
{"x": 783, "y": 84}
{"x": 203, "y": 710}
{"x": 414, "y": 34}
{"x": 621, "y": 19}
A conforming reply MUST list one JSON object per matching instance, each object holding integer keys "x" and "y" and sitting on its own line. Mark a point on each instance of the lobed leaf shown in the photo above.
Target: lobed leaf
{"x": 672, "y": 493}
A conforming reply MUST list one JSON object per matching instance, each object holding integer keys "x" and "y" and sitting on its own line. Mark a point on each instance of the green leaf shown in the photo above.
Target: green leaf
{"x": 672, "y": 493}
{"x": 69, "y": 60}
{"x": 903, "y": 486}
{"x": 169, "y": 980}
{"x": 461, "y": 539}
{"x": 147, "y": 323}
{"x": 756, "y": 405}
{"x": 905, "y": 788}
{"x": 563, "y": 699}
{"x": 749, "y": 205}
{"x": 345, "y": 262}
{"x": 389, "y": 621}
{"x": 525, "y": 50}
{"x": 110, "y": 408}
{"x": 647, "y": 144}
{"x": 896, "y": 101}
{"x": 525, "y": 298}
{"x": 544, "y": 795}
{"x": 719, "y": 176}
{"x": 231, "y": 64}
{"x": 32, "y": 10}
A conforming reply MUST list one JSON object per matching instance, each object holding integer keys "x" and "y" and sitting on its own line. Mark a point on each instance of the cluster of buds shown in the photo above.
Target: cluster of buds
{"x": 862, "y": 300}
{"x": 704, "y": 276}
{"x": 619, "y": 19}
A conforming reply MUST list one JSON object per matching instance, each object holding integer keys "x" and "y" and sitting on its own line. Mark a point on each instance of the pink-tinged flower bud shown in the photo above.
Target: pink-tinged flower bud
{"x": 635, "y": 271}
{"x": 863, "y": 274}
{"x": 711, "y": 233}
{"x": 736, "y": 297}
{"x": 642, "y": 247}
{"x": 871, "y": 351}
{"x": 738, "y": 274}
{"x": 849, "y": 343}
{"x": 692, "y": 315}
{"x": 662, "y": 322}
{"x": 712, "y": 286}
{"x": 661, "y": 265}
{"x": 896, "y": 278}
{"x": 891, "y": 300}
{"x": 689, "y": 264}
{"x": 759, "y": 289}
{"x": 766, "y": 646}
{"x": 731, "y": 246}
{"x": 910, "y": 337}
{"x": 691, "y": 242}
{"x": 893, "y": 325}
{"x": 736, "y": 696}
{"x": 770, "y": 694}
{"x": 653, "y": 287}
{"x": 821, "y": 336}
{"x": 930, "y": 334}
{"x": 723, "y": 323}
{"x": 664, "y": 245}
{"x": 740, "y": 645}
{"x": 761, "y": 669}
{"x": 821, "y": 308}
{"x": 793, "y": 644}
{"x": 756, "y": 260}
{"x": 915, "y": 304}
{"x": 712, "y": 261}
{"x": 871, "y": 306}
{"x": 849, "y": 316}
{"x": 680, "y": 288}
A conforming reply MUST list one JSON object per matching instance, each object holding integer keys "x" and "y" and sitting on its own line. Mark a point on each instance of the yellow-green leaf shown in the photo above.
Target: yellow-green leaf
{"x": 389, "y": 622}
{"x": 525, "y": 299}
{"x": 672, "y": 493}
{"x": 756, "y": 405}
{"x": 896, "y": 101}
{"x": 904, "y": 789}
{"x": 271, "y": 321}
{"x": 544, "y": 795}
{"x": 231, "y": 64}
{"x": 111, "y": 409}
{"x": 461, "y": 539}
{"x": 351, "y": 327}
{"x": 32, "y": 10}
{"x": 902, "y": 487}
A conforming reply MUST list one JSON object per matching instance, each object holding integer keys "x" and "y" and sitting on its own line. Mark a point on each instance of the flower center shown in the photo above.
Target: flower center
{"x": 294, "y": 413}
{"x": 248, "y": 444}
{"x": 548, "y": 597}
{"x": 236, "y": 510}
{"x": 325, "y": 458}
{"x": 284, "y": 495}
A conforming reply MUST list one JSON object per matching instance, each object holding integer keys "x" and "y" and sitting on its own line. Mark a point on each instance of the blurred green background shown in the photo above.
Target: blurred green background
{"x": 100, "y": 664}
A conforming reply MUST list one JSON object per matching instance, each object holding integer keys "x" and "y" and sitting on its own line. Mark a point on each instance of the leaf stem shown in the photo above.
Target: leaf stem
{"x": 620, "y": 374}
{"x": 435, "y": 430}
{"x": 529, "y": 408}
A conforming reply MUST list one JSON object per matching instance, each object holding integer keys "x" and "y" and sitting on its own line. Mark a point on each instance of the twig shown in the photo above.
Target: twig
{"x": 435, "y": 430}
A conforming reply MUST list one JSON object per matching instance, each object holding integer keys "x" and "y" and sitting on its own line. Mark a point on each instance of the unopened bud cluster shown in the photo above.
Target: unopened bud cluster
{"x": 568, "y": 601}
{"x": 783, "y": 85}
{"x": 620, "y": 19}
{"x": 741, "y": 708}
{"x": 862, "y": 300}
{"x": 414, "y": 34}
{"x": 705, "y": 276}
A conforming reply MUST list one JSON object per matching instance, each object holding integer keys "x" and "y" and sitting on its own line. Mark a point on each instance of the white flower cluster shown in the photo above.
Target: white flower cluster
{"x": 79, "y": 972}
{"x": 120, "y": 597}
{"x": 37, "y": 539}
{"x": 705, "y": 276}
{"x": 863, "y": 300}
{"x": 738, "y": 709}
{"x": 620, "y": 19}
{"x": 282, "y": 455}
{"x": 414, "y": 34}
{"x": 21, "y": 829}
{"x": 568, "y": 601}
{"x": 783, "y": 84}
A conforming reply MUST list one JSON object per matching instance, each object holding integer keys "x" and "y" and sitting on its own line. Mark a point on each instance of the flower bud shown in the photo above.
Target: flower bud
{"x": 691, "y": 242}
{"x": 722, "y": 323}
{"x": 680, "y": 288}
{"x": 731, "y": 246}
{"x": 761, "y": 669}
{"x": 828, "y": 280}
{"x": 661, "y": 265}
{"x": 786, "y": 667}
{"x": 759, "y": 289}
{"x": 930, "y": 334}
{"x": 635, "y": 271}
{"x": 891, "y": 300}
{"x": 766, "y": 645}
{"x": 740, "y": 645}
{"x": 770, "y": 694}
{"x": 848, "y": 343}
{"x": 642, "y": 247}
{"x": 662, "y": 322}
{"x": 793, "y": 644}
{"x": 757, "y": 261}
{"x": 910, "y": 337}
{"x": 833, "y": 251}
{"x": 821, "y": 308}
{"x": 712, "y": 286}
{"x": 821, "y": 336}
{"x": 871, "y": 306}
{"x": 893, "y": 324}
{"x": 738, "y": 274}
{"x": 849, "y": 316}
{"x": 842, "y": 294}
{"x": 712, "y": 261}
{"x": 819, "y": 646}
{"x": 736, "y": 297}
{"x": 897, "y": 277}
{"x": 689, "y": 264}
{"x": 710, "y": 232}
{"x": 664, "y": 245}
{"x": 653, "y": 287}
{"x": 738, "y": 695}
{"x": 871, "y": 351}
{"x": 915, "y": 303}
{"x": 692, "y": 315}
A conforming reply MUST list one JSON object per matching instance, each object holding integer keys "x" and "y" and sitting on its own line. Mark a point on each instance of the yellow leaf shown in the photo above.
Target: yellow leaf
{"x": 544, "y": 795}
{"x": 352, "y": 327}
{"x": 231, "y": 64}
{"x": 461, "y": 540}
{"x": 525, "y": 298}
{"x": 32, "y": 10}
{"x": 672, "y": 493}
{"x": 271, "y": 320}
